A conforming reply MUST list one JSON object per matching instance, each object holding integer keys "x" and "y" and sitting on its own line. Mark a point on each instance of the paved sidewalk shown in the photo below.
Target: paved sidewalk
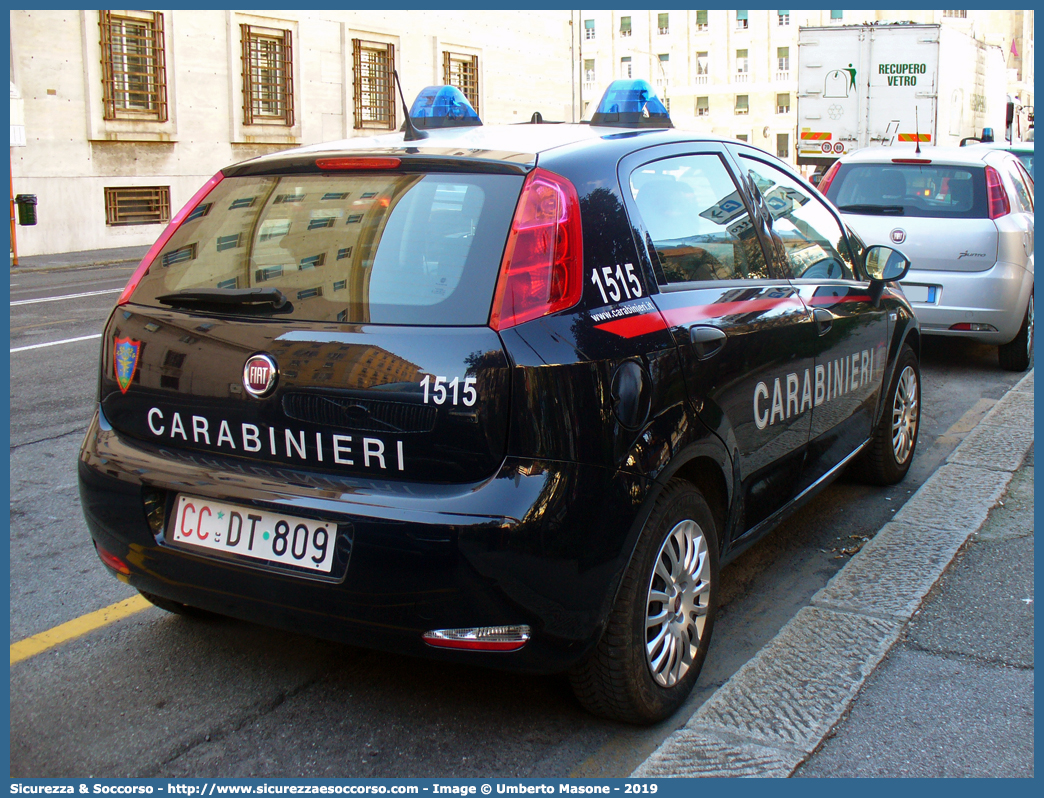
{"x": 936, "y": 687}
{"x": 91, "y": 257}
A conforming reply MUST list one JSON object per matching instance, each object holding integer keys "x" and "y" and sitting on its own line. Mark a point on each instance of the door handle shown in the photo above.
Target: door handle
{"x": 707, "y": 341}
{"x": 824, "y": 320}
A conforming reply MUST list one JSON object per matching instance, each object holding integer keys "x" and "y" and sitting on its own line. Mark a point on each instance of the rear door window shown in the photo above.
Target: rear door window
{"x": 697, "y": 221}
{"x": 919, "y": 190}
{"x": 387, "y": 248}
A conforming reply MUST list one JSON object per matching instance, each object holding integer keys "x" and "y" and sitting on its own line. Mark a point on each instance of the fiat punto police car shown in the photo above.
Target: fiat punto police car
{"x": 499, "y": 395}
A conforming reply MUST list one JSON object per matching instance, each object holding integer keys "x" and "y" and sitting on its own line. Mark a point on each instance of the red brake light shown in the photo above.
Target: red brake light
{"x": 358, "y": 163}
{"x": 996, "y": 196}
{"x": 541, "y": 272}
{"x": 175, "y": 223}
{"x": 824, "y": 181}
{"x": 911, "y": 160}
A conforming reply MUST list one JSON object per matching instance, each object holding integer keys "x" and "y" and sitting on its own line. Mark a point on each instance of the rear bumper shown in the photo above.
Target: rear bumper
{"x": 997, "y": 296}
{"x": 541, "y": 544}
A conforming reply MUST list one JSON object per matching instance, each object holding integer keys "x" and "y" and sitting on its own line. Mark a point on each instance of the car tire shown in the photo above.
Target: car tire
{"x": 175, "y": 607}
{"x": 887, "y": 457}
{"x": 1017, "y": 353}
{"x": 637, "y": 673}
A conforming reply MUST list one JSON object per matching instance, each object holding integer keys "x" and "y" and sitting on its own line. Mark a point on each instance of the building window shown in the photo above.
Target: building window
{"x": 956, "y": 14}
{"x": 702, "y": 66}
{"x": 625, "y": 26}
{"x": 741, "y": 20}
{"x": 742, "y": 104}
{"x": 701, "y": 21}
{"x": 137, "y": 205}
{"x": 783, "y": 19}
{"x": 589, "y": 70}
{"x": 783, "y": 103}
{"x": 663, "y": 25}
{"x": 373, "y": 90}
{"x": 268, "y": 83}
{"x": 134, "y": 69}
{"x": 703, "y": 106}
{"x": 836, "y": 16}
{"x": 783, "y": 59}
{"x": 462, "y": 71}
{"x": 589, "y": 29}
{"x": 741, "y": 136}
{"x": 782, "y": 145}
{"x": 742, "y": 62}
{"x": 625, "y": 67}
{"x": 665, "y": 65}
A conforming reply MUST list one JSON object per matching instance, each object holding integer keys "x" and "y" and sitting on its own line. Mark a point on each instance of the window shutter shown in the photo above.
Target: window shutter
{"x": 701, "y": 17}
{"x": 625, "y": 24}
{"x": 741, "y": 15}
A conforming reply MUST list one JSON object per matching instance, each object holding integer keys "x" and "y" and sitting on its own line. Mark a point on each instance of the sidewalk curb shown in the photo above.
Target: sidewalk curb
{"x": 777, "y": 709}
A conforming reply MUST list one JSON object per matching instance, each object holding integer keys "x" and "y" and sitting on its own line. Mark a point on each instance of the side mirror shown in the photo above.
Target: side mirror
{"x": 884, "y": 264}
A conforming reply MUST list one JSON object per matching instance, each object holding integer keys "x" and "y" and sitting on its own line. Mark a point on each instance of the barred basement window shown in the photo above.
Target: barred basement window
{"x": 134, "y": 69}
{"x": 137, "y": 205}
{"x": 373, "y": 88}
{"x": 268, "y": 77}
{"x": 462, "y": 71}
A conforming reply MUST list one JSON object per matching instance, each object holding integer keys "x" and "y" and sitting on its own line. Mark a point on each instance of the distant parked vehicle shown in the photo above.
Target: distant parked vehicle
{"x": 964, "y": 218}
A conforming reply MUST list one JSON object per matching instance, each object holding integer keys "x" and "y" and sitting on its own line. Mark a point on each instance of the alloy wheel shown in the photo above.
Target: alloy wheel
{"x": 677, "y": 604}
{"x": 905, "y": 415}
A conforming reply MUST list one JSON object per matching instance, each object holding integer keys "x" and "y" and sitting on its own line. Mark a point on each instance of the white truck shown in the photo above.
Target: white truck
{"x": 888, "y": 83}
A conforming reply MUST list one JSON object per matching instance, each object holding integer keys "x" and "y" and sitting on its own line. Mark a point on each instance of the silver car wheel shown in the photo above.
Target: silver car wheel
{"x": 905, "y": 415}
{"x": 678, "y": 599}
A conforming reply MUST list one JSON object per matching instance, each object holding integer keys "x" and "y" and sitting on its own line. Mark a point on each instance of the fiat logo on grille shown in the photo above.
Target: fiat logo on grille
{"x": 898, "y": 235}
{"x": 259, "y": 375}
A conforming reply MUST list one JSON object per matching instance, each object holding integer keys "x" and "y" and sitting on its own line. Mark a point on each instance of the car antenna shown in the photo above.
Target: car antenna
{"x": 412, "y": 134}
{"x": 917, "y": 132}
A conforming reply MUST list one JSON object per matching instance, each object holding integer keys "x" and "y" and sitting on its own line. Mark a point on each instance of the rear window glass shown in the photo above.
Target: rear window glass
{"x": 936, "y": 191}
{"x": 383, "y": 248}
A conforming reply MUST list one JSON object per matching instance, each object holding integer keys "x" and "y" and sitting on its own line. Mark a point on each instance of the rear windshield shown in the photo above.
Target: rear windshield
{"x": 385, "y": 248}
{"x": 936, "y": 191}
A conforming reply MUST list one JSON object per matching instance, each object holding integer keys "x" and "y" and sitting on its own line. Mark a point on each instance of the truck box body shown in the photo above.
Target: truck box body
{"x": 881, "y": 85}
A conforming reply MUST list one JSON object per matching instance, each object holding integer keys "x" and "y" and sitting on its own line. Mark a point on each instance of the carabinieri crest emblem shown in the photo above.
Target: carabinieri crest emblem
{"x": 125, "y": 356}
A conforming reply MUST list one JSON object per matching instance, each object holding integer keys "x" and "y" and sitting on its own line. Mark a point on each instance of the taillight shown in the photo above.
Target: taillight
{"x": 996, "y": 196}
{"x": 111, "y": 560}
{"x": 175, "y": 223}
{"x": 541, "y": 272}
{"x": 358, "y": 163}
{"x": 824, "y": 181}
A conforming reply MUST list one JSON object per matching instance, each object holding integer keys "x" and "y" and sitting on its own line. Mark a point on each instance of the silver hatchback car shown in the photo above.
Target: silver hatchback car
{"x": 964, "y": 218}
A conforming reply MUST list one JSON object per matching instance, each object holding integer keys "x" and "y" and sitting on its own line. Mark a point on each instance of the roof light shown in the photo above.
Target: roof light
{"x": 541, "y": 272}
{"x": 996, "y": 196}
{"x": 358, "y": 163}
{"x": 442, "y": 106}
{"x": 161, "y": 242}
{"x": 485, "y": 638}
{"x": 631, "y": 103}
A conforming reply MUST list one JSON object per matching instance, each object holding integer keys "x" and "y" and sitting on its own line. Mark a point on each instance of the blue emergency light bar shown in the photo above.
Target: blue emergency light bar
{"x": 442, "y": 106}
{"x": 631, "y": 103}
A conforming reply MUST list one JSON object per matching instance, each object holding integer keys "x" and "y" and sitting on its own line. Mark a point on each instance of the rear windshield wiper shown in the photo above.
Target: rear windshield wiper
{"x": 882, "y": 210}
{"x": 239, "y": 298}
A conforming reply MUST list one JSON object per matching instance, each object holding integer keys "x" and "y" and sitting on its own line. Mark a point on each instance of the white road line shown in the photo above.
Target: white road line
{"x": 54, "y": 343}
{"x": 66, "y": 296}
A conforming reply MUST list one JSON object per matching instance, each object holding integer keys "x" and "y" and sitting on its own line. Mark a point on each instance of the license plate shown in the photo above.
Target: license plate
{"x": 254, "y": 533}
{"x": 919, "y": 293}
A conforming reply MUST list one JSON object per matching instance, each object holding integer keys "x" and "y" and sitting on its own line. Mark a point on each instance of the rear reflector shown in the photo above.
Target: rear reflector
{"x": 541, "y": 272}
{"x": 966, "y": 326}
{"x": 161, "y": 242}
{"x": 112, "y": 560}
{"x": 358, "y": 163}
{"x": 996, "y": 196}
{"x": 485, "y": 638}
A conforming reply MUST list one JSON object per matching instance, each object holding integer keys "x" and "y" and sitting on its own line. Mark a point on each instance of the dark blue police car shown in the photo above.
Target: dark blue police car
{"x": 500, "y": 395}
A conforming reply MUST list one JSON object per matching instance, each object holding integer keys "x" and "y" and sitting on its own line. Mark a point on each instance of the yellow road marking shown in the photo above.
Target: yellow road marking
{"x": 31, "y": 646}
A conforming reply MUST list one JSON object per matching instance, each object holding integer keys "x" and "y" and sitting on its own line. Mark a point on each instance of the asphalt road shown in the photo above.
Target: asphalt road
{"x": 159, "y": 695}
